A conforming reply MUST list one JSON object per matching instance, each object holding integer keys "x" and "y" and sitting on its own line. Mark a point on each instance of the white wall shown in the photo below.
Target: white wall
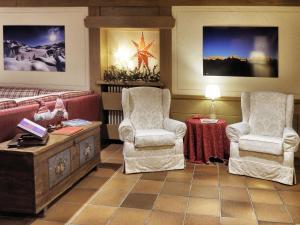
{"x": 188, "y": 76}
{"x": 76, "y": 40}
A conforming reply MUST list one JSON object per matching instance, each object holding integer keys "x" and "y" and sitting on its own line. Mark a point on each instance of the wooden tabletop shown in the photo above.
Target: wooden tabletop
{"x": 54, "y": 140}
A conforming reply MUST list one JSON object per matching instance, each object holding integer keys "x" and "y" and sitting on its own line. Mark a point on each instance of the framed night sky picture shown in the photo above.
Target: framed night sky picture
{"x": 240, "y": 51}
{"x": 34, "y": 48}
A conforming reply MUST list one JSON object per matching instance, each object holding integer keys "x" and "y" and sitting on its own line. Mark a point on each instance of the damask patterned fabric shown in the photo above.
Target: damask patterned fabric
{"x": 166, "y": 103}
{"x": 154, "y": 137}
{"x": 204, "y": 140}
{"x": 235, "y": 131}
{"x": 269, "y": 116}
{"x": 153, "y": 159}
{"x": 261, "y": 168}
{"x": 146, "y": 106}
{"x": 126, "y": 131}
{"x": 289, "y": 111}
{"x": 290, "y": 140}
{"x": 260, "y": 143}
{"x": 245, "y": 103}
{"x": 125, "y": 103}
{"x": 152, "y": 141}
{"x": 267, "y": 113}
{"x": 175, "y": 126}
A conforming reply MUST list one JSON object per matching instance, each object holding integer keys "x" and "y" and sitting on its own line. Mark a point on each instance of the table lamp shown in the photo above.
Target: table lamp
{"x": 212, "y": 92}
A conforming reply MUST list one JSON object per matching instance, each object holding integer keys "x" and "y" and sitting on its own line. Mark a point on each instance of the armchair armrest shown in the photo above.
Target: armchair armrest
{"x": 179, "y": 128}
{"x": 290, "y": 140}
{"x": 126, "y": 131}
{"x": 236, "y": 130}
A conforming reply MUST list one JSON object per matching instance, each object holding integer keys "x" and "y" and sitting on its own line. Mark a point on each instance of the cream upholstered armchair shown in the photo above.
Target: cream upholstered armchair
{"x": 263, "y": 145}
{"x": 152, "y": 141}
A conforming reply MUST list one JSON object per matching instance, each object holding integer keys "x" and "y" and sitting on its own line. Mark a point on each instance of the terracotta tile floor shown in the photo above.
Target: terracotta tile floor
{"x": 198, "y": 195}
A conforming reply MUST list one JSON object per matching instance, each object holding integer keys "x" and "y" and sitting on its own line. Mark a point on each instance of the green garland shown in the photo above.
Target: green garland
{"x": 115, "y": 74}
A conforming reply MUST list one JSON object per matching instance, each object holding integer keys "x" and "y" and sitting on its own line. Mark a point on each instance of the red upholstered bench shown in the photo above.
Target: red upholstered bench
{"x": 18, "y": 103}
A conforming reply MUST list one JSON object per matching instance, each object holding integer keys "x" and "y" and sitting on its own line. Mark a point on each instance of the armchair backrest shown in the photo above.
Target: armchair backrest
{"x": 146, "y": 107}
{"x": 267, "y": 113}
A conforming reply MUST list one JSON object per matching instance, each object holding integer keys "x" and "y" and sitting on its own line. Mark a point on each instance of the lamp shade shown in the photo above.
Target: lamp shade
{"x": 212, "y": 91}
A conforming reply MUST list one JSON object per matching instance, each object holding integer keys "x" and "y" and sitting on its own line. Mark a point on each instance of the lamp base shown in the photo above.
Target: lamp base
{"x": 212, "y": 116}
{"x": 212, "y": 110}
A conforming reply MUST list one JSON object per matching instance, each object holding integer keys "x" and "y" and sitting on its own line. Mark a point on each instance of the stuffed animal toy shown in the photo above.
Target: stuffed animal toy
{"x": 57, "y": 115}
{"x": 59, "y": 111}
{"x": 43, "y": 112}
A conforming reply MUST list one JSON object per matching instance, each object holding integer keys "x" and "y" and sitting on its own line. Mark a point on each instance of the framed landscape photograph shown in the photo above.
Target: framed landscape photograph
{"x": 34, "y": 48}
{"x": 240, "y": 51}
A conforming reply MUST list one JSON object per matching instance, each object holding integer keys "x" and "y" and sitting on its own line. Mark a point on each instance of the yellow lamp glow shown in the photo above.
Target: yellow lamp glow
{"x": 212, "y": 92}
{"x": 123, "y": 58}
{"x": 122, "y": 54}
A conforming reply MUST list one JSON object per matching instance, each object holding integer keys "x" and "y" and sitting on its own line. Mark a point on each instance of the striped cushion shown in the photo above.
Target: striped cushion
{"x": 73, "y": 94}
{"x": 32, "y": 100}
{"x": 17, "y": 92}
{"x": 28, "y": 96}
{"x": 6, "y": 103}
{"x": 44, "y": 91}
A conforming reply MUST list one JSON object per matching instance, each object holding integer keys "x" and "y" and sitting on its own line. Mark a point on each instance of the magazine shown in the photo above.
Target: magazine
{"x": 33, "y": 128}
{"x": 209, "y": 120}
{"x": 67, "y": 130}
{"x": 76, "y": 123}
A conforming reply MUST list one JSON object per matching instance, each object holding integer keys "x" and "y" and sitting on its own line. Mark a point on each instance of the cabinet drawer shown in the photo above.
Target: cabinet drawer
{"x": 87, "y": 149}
{"x": 59, "y": 166}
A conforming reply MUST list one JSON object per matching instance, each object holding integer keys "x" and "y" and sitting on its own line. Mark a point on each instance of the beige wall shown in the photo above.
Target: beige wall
{"x": 76, "y": 39}
{"x": 188, "y": 83}
{"x": 187, "y": 78}
{"x": 183, "y": 107}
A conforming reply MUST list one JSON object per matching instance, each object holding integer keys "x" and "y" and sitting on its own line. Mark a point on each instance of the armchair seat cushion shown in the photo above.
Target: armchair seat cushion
{"x": 154, "y": 138}
{"x": 262, "y": 144}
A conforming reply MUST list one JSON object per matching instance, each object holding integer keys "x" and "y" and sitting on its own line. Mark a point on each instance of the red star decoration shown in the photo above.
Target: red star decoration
{"x": 143, "y": 51}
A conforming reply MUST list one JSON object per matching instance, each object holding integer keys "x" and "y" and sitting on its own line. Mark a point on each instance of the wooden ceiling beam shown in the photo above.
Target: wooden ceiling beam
{"x": 229, "y": 2}
{"x": 52, "y": 3}
{"x": 125, "y": 3}
{"x": 8, "y": 3}
{"x": 161, "y": 22}
{"x": 146, "y": 3}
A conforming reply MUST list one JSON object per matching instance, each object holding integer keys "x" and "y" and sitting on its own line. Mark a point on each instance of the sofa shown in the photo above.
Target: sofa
{"x": 17, "y": 103}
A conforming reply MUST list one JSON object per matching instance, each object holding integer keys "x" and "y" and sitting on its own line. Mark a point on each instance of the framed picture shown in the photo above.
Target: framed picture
{"x": 240, "y": 51}
{"x": 34, "y": 48}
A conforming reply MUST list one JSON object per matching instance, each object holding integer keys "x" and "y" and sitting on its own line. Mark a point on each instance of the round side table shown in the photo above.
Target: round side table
{"x": 205, "y": 140}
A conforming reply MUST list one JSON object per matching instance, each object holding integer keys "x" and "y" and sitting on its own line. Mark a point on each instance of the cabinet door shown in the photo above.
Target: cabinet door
{"x": 59, "y": 166}
{"x": 87, "y": 149}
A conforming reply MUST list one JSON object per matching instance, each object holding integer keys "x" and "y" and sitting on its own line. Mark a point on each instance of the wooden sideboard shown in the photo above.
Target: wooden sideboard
{"x": 30, "y": 178}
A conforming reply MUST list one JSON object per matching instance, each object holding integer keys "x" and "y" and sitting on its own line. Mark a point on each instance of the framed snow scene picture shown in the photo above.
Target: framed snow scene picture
{"x": 34, "y": 48}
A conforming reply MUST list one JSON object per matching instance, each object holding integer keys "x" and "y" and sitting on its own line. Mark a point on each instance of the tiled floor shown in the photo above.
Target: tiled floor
{"x": 198, "y": 195}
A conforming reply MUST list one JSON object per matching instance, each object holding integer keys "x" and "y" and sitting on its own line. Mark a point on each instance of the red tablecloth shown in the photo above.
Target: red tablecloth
{"x": 205, "y": 140}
